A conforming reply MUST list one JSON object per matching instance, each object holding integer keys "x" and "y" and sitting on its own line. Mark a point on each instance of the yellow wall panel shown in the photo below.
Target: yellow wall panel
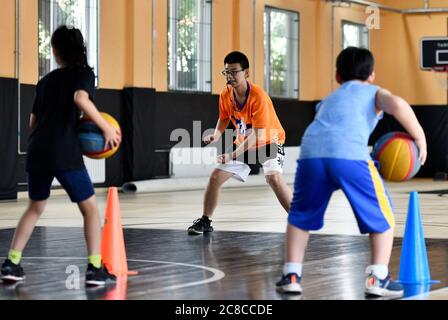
{"x": 29, "y": 61}
{"x": 7, "y": 39}
{"x": 397, "y": 51}
{"x": 160, "y": 45}
{"x": 112, "y": 50}
{"x": 225, "y": 24}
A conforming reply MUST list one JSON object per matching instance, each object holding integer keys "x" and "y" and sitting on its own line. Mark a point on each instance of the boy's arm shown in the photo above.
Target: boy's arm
{"x": 402, "y": 111}
{"x": 249, "y": 142}
{"x": 219, "y": 129}
{"x": 112, "y": 136}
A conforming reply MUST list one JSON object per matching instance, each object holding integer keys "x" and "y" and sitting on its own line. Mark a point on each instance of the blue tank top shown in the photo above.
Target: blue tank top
{"x": 343, "y": 124}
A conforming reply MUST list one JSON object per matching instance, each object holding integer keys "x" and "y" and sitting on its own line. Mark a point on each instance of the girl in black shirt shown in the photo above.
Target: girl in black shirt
{"x": 54, "y": 151}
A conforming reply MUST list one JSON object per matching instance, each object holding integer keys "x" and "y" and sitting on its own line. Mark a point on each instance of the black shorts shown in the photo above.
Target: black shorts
{"x": 76, "y": 183}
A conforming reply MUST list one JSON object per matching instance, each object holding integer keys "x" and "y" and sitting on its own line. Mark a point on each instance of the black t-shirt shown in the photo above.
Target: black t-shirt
{"x": 53, "y": 144}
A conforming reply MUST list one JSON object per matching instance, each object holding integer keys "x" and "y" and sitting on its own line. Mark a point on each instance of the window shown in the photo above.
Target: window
{"x": 354, "y": 35}
{"x": 82, "y": 14}
{"x": 189, "y": 45}
{"x": 281, "y": 29}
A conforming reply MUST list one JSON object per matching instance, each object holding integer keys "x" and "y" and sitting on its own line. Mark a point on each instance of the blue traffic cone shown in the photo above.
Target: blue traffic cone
{"x": 414, "y": 267}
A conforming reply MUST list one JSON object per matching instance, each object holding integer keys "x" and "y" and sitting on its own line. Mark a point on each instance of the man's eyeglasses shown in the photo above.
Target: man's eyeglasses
{"x": 233, "y": 73}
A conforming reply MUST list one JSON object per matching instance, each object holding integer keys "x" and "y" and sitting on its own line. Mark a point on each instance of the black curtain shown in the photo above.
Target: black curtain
{"x": 8, "y": 140}
{"x": 109, "y": 101}
{"x": 295, "y": 116}
{"x": 141, "y": 161}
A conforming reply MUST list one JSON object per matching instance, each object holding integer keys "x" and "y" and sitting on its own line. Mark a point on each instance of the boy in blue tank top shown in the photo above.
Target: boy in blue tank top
{"x": 334, "y": 155}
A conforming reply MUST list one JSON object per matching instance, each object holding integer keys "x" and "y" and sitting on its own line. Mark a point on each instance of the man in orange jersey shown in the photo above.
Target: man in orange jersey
{"x": 260, "y": 138}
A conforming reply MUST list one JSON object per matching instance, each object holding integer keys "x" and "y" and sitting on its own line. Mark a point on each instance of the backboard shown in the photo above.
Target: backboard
{"x": 433, "y": 53}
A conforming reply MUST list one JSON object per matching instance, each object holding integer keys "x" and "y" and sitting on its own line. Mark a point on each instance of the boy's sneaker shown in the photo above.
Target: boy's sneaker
{"x": 383, "y": 288}
{"x": 99, "y": 276}
{"x": 290, "y": 284}
{"x": 11, "y": 271}
{"x": 200, "y": 226}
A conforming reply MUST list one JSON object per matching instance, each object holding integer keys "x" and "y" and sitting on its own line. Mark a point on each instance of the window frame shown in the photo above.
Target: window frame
{"x": 267, "y": 52}
{"x": 360, "y": 32}
{"x": 92, "y": 18}
{"x": 172, "y": 47}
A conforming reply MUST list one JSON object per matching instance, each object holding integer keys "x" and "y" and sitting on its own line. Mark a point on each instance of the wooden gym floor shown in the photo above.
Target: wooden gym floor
{"x": 241, "y": 260}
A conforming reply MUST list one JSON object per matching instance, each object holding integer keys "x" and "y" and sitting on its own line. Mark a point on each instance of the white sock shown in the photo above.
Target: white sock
{"x": 379, "y": 270}
{"x": 292, "y": 267}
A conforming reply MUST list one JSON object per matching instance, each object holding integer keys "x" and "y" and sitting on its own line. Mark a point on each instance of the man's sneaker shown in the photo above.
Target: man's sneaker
{"x": 200, "y": 226}
{"x": 290, "y": 284}
{"x": 11, "y": 271}
{"x": 383, "y": 288}
{"x": 99, "y": 276}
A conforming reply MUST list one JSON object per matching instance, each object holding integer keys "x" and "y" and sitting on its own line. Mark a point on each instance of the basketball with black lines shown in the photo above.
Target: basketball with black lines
{"x": 92, "y": 140}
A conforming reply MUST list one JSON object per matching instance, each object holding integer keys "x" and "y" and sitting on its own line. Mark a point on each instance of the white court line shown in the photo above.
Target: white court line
{"x": 426, "y": 294}
{"x": 217, "y": 274}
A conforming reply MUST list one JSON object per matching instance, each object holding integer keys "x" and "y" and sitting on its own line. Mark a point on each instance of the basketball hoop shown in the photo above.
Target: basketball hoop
{"x": 440, "y": 75}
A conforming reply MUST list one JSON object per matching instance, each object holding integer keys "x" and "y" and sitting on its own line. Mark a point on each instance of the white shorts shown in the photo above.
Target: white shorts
{"x": 241, "y": 170}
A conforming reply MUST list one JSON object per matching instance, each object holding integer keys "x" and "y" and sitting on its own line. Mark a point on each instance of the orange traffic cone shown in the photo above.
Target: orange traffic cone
{"x": 113, "y": 251}
{"x": 119, "y": 291}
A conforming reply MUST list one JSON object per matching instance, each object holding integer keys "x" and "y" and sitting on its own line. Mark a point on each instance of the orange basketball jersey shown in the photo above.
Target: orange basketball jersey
{"x": 258, "y": 112}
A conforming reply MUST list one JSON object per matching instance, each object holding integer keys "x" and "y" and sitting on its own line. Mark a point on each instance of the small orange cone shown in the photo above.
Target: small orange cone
{"x": 119, "y": 291}
{"x": 113, "y": 251}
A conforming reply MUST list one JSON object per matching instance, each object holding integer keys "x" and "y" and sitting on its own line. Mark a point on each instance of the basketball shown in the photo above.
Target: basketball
{"x": 397, "y": 154}
{"x": 92, "y": 139}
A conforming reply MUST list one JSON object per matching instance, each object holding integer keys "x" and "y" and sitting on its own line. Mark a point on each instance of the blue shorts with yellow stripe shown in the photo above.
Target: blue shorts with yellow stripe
{"x": 317, "y": 178}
